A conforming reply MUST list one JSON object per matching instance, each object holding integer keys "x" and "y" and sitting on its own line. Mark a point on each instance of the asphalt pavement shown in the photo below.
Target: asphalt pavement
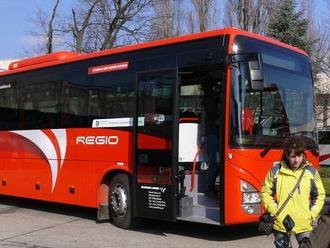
{"x": 34, "y": 224}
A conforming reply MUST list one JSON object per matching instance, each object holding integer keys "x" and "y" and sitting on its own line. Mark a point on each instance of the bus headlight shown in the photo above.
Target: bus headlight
{"x": 252, "y": 208}
{"x": 250, "y": 198}
{"x": 246, "y": 187}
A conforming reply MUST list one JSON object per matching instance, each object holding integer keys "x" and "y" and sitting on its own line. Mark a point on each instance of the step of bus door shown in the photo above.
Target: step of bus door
{"x": 186, "y": 206}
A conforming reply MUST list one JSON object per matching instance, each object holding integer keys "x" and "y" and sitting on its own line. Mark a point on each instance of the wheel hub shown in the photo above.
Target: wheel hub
{"x": 118, "y": 200}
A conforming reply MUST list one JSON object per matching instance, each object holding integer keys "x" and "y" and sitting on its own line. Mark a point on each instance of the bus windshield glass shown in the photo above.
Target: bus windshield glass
{"x": 284, "y": 106}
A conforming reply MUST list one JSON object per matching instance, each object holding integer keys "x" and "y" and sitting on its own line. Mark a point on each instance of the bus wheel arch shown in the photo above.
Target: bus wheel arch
{"x": 103, "y": 195}
{"x": 115, "y": 199}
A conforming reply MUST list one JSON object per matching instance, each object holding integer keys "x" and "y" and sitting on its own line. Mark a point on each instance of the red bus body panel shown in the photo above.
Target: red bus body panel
{"x": 25, "y": 163}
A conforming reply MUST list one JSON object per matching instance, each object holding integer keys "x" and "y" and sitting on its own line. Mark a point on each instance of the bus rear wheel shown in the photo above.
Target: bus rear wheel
{"x": 120, "y": 202}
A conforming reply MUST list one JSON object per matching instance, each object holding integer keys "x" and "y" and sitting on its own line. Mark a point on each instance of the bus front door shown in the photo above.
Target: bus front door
{"x": 154, "y": 184}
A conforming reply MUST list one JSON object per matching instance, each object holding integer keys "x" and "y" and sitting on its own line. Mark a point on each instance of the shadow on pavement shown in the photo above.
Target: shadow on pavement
{"x": 200, "y": 231}
{"x": 182, "y": 228}
{"x": 14, "y": 204}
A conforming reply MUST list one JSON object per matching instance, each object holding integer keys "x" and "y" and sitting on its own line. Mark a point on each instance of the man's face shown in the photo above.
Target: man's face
{"x": 295, "y": 160}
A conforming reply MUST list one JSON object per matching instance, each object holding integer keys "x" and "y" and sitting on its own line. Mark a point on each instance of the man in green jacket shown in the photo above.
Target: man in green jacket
{"x": 306, "y": 202}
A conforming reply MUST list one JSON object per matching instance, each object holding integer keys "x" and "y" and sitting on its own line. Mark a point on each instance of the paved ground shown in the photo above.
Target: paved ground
{"x": 31, "y": 224}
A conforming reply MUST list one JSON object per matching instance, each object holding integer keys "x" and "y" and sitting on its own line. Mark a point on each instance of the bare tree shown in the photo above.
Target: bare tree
{"x": 122, "y": 20}
{"x": 45, "y": 34}
{"x": 320, "y": 51}
{"x": 191, "y": 25}
{"x": 50, "y": 34}
{"x": 167, "y": 19}
{"x": 250, "y": 15}
{"x": 102, "y": 24}
{"x": 203, "y": 9}
{"x": 202, "y": 15}
{"x": 323, "y": 100}
{"x": 163, "y": 19}
{"x": 179, "y": 17}
{"x": 320, "y": 57}
{"x": 327, "y": 15}
{"x": 326, "y": 24}
{"x": 80, "y": 23}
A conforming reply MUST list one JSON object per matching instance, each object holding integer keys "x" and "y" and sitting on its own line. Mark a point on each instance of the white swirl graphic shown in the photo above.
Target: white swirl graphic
{"x": 60, "y": 135}
{"x": 44, "y": 143}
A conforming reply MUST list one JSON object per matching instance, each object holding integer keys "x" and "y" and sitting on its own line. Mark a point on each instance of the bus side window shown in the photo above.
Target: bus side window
{"x": 324, "y": 137}
{"x": 190, "y": 101}
{"x": 95, "y": 106}
{"x": 40, "y": 105}
{"x": 8, "y": 108}
{"x": 75, "y": 106}
{"x": 111, "y": 102}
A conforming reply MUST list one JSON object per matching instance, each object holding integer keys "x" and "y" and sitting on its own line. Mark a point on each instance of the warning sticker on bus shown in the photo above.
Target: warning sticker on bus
{"x": 108, "y": 68}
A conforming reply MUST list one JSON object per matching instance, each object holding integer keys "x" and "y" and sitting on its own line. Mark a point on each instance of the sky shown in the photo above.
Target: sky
{"x": 16, "y": 23}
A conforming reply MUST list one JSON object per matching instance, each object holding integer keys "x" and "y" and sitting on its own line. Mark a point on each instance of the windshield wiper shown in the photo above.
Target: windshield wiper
{"x": 264, "y": 152}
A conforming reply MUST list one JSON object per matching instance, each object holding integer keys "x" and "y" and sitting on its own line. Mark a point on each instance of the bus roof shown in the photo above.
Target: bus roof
{"x": 58, "y": 58}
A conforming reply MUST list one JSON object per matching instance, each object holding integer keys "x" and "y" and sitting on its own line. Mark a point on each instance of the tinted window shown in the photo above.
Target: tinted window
{"x": 285, "y": 105}
{"x": 75, "y": 106}
{"x": 8, "y": 106}
{"x": 110, "y": 102}
{"x": 155, "y": 102}
{"x": 40, "y": 104}
{"x": 324, "y": 137}
{"x": 66, "y": 96}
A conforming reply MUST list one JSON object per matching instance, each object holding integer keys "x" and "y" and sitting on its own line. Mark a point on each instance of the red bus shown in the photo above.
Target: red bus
{"x": 178, "y": 129}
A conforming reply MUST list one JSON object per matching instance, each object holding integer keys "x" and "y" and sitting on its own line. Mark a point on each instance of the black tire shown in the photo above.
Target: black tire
{"x": 120, "y": 201}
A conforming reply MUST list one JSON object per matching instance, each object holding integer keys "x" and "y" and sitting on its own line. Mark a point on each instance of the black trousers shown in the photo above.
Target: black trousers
{"x": 282, "y": 240}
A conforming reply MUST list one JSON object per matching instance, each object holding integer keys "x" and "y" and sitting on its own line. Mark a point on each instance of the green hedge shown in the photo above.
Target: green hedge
{"x": 325, "y": 175}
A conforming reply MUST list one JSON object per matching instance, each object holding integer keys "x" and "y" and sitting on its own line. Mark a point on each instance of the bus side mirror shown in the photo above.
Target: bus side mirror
{"x": 255, "y": 71}
{"x": 254, "y": 64}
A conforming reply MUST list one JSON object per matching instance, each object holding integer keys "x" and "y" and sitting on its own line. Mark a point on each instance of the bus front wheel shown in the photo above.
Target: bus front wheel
{"x": 120, "y": 202}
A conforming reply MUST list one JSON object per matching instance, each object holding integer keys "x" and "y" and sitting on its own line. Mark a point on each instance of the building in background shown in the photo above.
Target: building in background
{"x": 5, "y": 63}
{"x": 323, "y": 101}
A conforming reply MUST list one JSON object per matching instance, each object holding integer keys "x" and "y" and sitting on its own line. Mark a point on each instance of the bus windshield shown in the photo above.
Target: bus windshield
{"x": 284, "y": 106}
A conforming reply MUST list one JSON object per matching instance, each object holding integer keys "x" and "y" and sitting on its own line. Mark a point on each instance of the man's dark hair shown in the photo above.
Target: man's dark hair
{"x": 295, "y": 144}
